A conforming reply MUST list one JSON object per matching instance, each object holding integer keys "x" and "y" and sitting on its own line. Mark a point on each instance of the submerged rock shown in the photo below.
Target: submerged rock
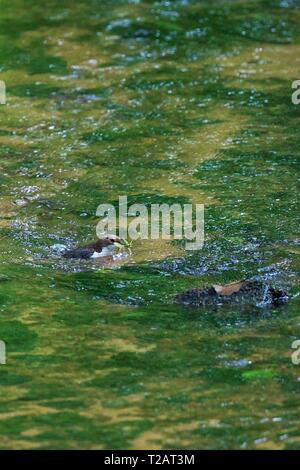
{"x": 242, "y": 292}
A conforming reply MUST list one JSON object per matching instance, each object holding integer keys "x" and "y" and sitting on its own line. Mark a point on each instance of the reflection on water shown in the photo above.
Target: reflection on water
{"x": 186, "y": 102}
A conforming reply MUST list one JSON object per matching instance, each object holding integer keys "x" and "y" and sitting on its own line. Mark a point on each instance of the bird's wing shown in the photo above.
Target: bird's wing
{"x": 84, "y": 253}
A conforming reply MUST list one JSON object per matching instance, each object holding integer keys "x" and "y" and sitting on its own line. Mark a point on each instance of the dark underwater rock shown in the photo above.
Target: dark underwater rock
{"x": 243, "y": 292}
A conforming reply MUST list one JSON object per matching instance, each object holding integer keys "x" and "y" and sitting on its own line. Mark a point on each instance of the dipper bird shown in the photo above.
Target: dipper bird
{"x": 103, "y": 247}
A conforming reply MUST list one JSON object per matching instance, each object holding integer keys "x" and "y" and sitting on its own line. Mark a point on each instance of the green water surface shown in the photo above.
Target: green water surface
{"x": 163, "y": 101}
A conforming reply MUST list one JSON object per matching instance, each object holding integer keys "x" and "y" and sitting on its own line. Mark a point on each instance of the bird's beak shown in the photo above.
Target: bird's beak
{"x": 123, "y": 243}
{"x": 118, "y": 244}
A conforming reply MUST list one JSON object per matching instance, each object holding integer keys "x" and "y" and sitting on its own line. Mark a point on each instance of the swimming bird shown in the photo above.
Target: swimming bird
{"x": 103, "y": 247}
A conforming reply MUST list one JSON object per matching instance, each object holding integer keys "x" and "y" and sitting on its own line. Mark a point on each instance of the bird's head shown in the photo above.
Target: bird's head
{"x": 111, "y": 242}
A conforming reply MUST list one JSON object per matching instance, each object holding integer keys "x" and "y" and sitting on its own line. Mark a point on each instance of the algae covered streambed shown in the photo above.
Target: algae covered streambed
{"x": 163, "y": 101}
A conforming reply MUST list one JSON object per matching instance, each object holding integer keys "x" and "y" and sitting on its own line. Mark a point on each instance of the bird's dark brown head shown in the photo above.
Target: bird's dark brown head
{"x": 108, "y": 240}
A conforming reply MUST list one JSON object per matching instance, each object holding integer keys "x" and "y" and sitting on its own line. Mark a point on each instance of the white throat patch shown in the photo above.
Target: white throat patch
{"x": 106, "y": 251}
